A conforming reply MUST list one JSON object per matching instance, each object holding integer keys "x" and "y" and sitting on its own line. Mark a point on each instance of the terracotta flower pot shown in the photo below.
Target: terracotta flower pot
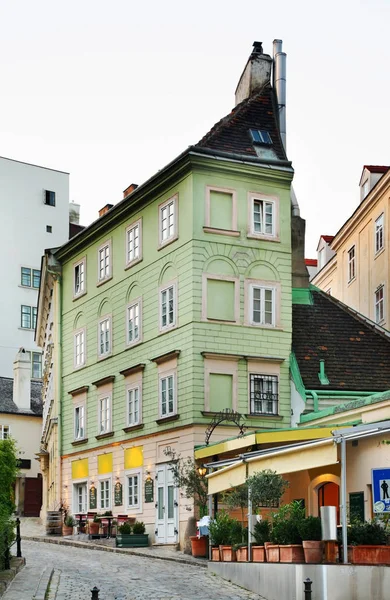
{"x": 258, "y": 554}
{"x": 271, "y": 552}
{"x": 215, "y": 554}
{"x": 313, "y": 551}
{"x": 292, "y": 553}
{"x": 94, "y": 528}
{"x": 242, "y": 554}
{"x": 227, "y": 553}
{"x": 199, "y": 545}
{"x": 67, "y": 530}
{"x": 369, "y": 555}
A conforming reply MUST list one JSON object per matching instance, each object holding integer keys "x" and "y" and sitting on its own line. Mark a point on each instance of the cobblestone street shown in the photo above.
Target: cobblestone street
{"x": 119, "y": 577}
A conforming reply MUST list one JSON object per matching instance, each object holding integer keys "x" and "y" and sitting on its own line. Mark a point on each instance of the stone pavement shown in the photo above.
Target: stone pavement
{"x": 118, "y": 576}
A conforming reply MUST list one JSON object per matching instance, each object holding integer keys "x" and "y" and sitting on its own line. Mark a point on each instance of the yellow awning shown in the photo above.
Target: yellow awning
{"x": 227, "y": 478}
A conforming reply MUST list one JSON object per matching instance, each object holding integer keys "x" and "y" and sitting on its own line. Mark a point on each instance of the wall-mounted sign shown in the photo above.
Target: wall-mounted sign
{"x": 118, "y": 494}
{"x": 381, "y": 490}
{"x": 92, "y": 498}
{"x": 149, "y": 490}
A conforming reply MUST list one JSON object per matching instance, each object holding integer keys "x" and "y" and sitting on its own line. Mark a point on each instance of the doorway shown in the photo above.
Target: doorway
{"x": 167, "y": 506}
{"x": 328, "y": 495}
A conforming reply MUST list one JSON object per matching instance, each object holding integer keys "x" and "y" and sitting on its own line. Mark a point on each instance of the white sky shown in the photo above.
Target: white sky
{"x": 113, "y": 91}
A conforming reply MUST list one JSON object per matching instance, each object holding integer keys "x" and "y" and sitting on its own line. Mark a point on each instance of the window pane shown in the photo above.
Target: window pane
{"x": 170, "y": 501}
{"x": 264, "y": 394}
{"x": 26, "y": 277}
{"x": 36, "y": 366}
{"x": 26, "y": 317}
{"x": 36, "y": 278}
{"x": 160, "y": 503}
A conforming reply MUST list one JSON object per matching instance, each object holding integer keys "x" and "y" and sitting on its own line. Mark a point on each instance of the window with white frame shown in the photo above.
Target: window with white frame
{"x": 30, "y": 277}
{"x": 263, "y": 216}
{"x": 133, "y": 319}
{"x": 104, "y": 262}
{"x": 167, "y": 395}
{"x": 379, "y": 239}
{"x": 168, "y": 221}
{"x": 262, "y": 305}
{"x": 133, "y": 243}
{"x": 104, "y": 348}
{"x": 80, "y": 497}
{"x": 79, "y": 278}
{"x": 79, "y": 348}
{"x": 133, "y": 490}
{"x": 4, "y": 432}
{"x": 79, "y": 422}
{"x": 379, "y": 304}
{"x": 351, "y": 264}
{"x": 264, "y": 395}
{"x": 105, "y": 493}
{"x": 104, "y": 415}
{"x": 168, "y": 307}
{"x": 28, "y": 317}
{"x": 36, "y": 364}
{"x": 133, "y": 406}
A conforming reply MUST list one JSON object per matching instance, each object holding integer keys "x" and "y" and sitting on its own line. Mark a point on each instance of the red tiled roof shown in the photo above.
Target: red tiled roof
{"x": 231, "y": 134}
{"x": 311, "y": 262}
{"x": 376, "y": 168}
{"x": 327, "y": 238}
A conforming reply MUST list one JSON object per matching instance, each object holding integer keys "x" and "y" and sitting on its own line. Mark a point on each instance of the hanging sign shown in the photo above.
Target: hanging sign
{"x": 149, "y": 491}
{"x": 118, "y": 494}
{"x": 92, "y": 498}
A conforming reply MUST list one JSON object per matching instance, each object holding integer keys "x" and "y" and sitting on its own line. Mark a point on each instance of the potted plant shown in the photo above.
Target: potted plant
{"x": 94, "y": 525}
{"x": 238, "y": 498}
{"x": 220, "y": 530}
{"x": 368, "y": 544}
{"x": 262, "y": 535}
{"x": 240, "y": 541}
{"x": 69, "y": 523}
{"x": 132, "y": 537}
{"x": 285, "y": 532}
{"x": 310, "y": 532}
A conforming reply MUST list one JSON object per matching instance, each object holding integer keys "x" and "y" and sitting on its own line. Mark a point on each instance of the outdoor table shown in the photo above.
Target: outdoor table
{"x": 82, "y": 519}
{"x": 109, "y": 519}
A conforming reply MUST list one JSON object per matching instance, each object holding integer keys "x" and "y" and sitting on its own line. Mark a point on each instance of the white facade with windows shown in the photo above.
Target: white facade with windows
{"x": 32, "y": 198}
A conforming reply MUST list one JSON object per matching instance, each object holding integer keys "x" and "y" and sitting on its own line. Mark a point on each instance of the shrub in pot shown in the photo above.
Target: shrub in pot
{"x": 368, "y": 543}
{"x": 285, "y": 532}
{"x": 94, "y": 526}
{"x": 310, "y": 531}
{"x": 220, "y": 531}
{"x": 261, "y": 534}
{"x": 137, "y": 539}
{"x": 69, "y": 523}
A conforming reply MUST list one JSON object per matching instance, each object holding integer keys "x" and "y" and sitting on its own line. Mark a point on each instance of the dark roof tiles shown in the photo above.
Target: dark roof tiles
{"x": 7, "y": 404}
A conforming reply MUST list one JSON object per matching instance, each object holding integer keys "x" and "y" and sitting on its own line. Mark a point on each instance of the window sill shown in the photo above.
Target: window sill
{"x": 133, "y": 428}
{"x": 207, "y": 320}
{"x": 79, "y": 367}
{"x": 217, "y": 231}
{"x": 80, "y": 442}
{"x": 133, "y": 344}
{"x": 266, "y": 238}
{"x": 166, "y": 329}
{"x": 26, "y": 329}
{"x": 76, "y": 297}
{"x": 167, "y": 242}
{"x": 104, "y": 357}
{"x": 133, "y": 263}
{"x": 103, "y": 281}
{"x": 263, "y": 416}
{"x": 167, "y": 419}
{"x": 103, "y": 436}
{"x": 28, "y": 287}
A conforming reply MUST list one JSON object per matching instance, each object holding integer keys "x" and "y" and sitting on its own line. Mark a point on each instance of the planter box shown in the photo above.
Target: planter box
{"x": 258, "y": 554}
{"x": 93, "y": 528}
{"x": 132, "y": 540}
{"x": 67, "y": 530}
{"x": 271, "y": 552}
{"x": 199, "y": 545}
{"x": 242, "y": 554}
{"x": 227, "y": 553}
{"x": 292, "y": 553}
{"x": 313, "y": 551}
{"x": 369, "y": 555}
{"x": 215, "y": 554}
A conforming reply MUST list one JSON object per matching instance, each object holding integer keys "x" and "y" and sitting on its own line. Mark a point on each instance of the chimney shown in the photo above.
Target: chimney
{"x": 105, "y": 209}
{"x": 22, "y": 381}
{"x": 74, "y": 213}
{"x": 130, "y": 189}
{"x": 257, "y": 72}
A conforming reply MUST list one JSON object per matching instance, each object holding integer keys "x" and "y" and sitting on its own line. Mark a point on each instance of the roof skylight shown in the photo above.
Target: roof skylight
{"x": 260, "y": 137}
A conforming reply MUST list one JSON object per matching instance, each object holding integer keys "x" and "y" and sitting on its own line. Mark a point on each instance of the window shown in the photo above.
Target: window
{"x": 28, "y": 317}
{"x": 79, "y": 348}
{"x": 50, "y": 198}
{"x": 263, "y": 216}
{"x": 133, "y": 320}
{"x": 49, "y": 229}
{"x": 104, "y": 348}
{"x": 379, "y": 240}
{"x": 104, "y": 262}
{"x": 36, "y": 364}
{"x": 260, "y": 137}
{"x": 79, "y": 284}
{"x": 168, "y": 221}
{"x": 26, "y": 277}
{"x": 4, "y": 432}
{"x": 133, "y": 243}
{"x": 264, "y": 394}
{"x": 262, "y": 305}
{"x": 104, "y": 415}
{"x": 221, "y": 211}
{"x": 379, "y": 304}
{"x": 105, "y": 493}
{"x": 30, "y": 277}
{"x": 80, "y": 497}
{"x": 167, "y": 396}
{"x": 351, "y": 264}
{"x": 133, "y": 406}
{"x": 79, "y": 422}
{"x": 133, "y": 490}
{"x": 168, "y": 307}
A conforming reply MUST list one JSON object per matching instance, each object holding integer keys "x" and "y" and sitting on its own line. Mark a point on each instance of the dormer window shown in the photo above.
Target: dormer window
{"x": 260, "y": 136}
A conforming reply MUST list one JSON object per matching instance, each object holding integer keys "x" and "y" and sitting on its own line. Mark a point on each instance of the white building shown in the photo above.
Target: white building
{"x": 34, "y": 215}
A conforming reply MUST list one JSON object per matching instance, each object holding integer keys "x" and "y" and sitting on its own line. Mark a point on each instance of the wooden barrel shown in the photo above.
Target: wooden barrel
{"x": 54, "y": 522}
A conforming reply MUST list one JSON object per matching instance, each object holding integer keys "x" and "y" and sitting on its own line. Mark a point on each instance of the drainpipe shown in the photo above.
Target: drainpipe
{"x": 315, "y": 399}
{"x": 211, "y": 516}
{"x": 343, "y": 506}
{"x": 249, "y": 524}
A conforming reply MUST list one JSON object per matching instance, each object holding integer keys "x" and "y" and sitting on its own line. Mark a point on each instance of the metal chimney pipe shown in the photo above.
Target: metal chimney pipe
{"x": 280, "y": 88}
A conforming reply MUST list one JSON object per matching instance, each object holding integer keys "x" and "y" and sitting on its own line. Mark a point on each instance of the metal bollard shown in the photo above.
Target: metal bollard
{"x": 95, "y": 593}
{"x": 18, "y": 539}
{"x": 307, "y": 583}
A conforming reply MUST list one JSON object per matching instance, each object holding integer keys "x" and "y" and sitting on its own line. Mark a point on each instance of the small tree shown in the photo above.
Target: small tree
{"x": 238, "y": 498}
{"x": 8, "y": 473}
{"x": 187, "y": 478}
{"x": 267, "y": 488}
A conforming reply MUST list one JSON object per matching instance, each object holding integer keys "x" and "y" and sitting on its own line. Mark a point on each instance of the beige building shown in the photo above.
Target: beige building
{"x": 358, "y": 272}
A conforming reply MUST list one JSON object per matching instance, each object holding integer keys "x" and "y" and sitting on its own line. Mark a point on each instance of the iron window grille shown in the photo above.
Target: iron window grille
{"x": 264, "y": 397}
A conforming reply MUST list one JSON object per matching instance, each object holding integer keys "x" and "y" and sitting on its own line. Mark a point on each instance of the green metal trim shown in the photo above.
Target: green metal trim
{"x": 364, "y": 400}
{"x": 296, "y": 376}
{"x": 302, "y": 296}
{"x": 322, "y": 375}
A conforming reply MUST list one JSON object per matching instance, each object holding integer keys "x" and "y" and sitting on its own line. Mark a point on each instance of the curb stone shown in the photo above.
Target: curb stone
{"x": 43, "y": 584}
